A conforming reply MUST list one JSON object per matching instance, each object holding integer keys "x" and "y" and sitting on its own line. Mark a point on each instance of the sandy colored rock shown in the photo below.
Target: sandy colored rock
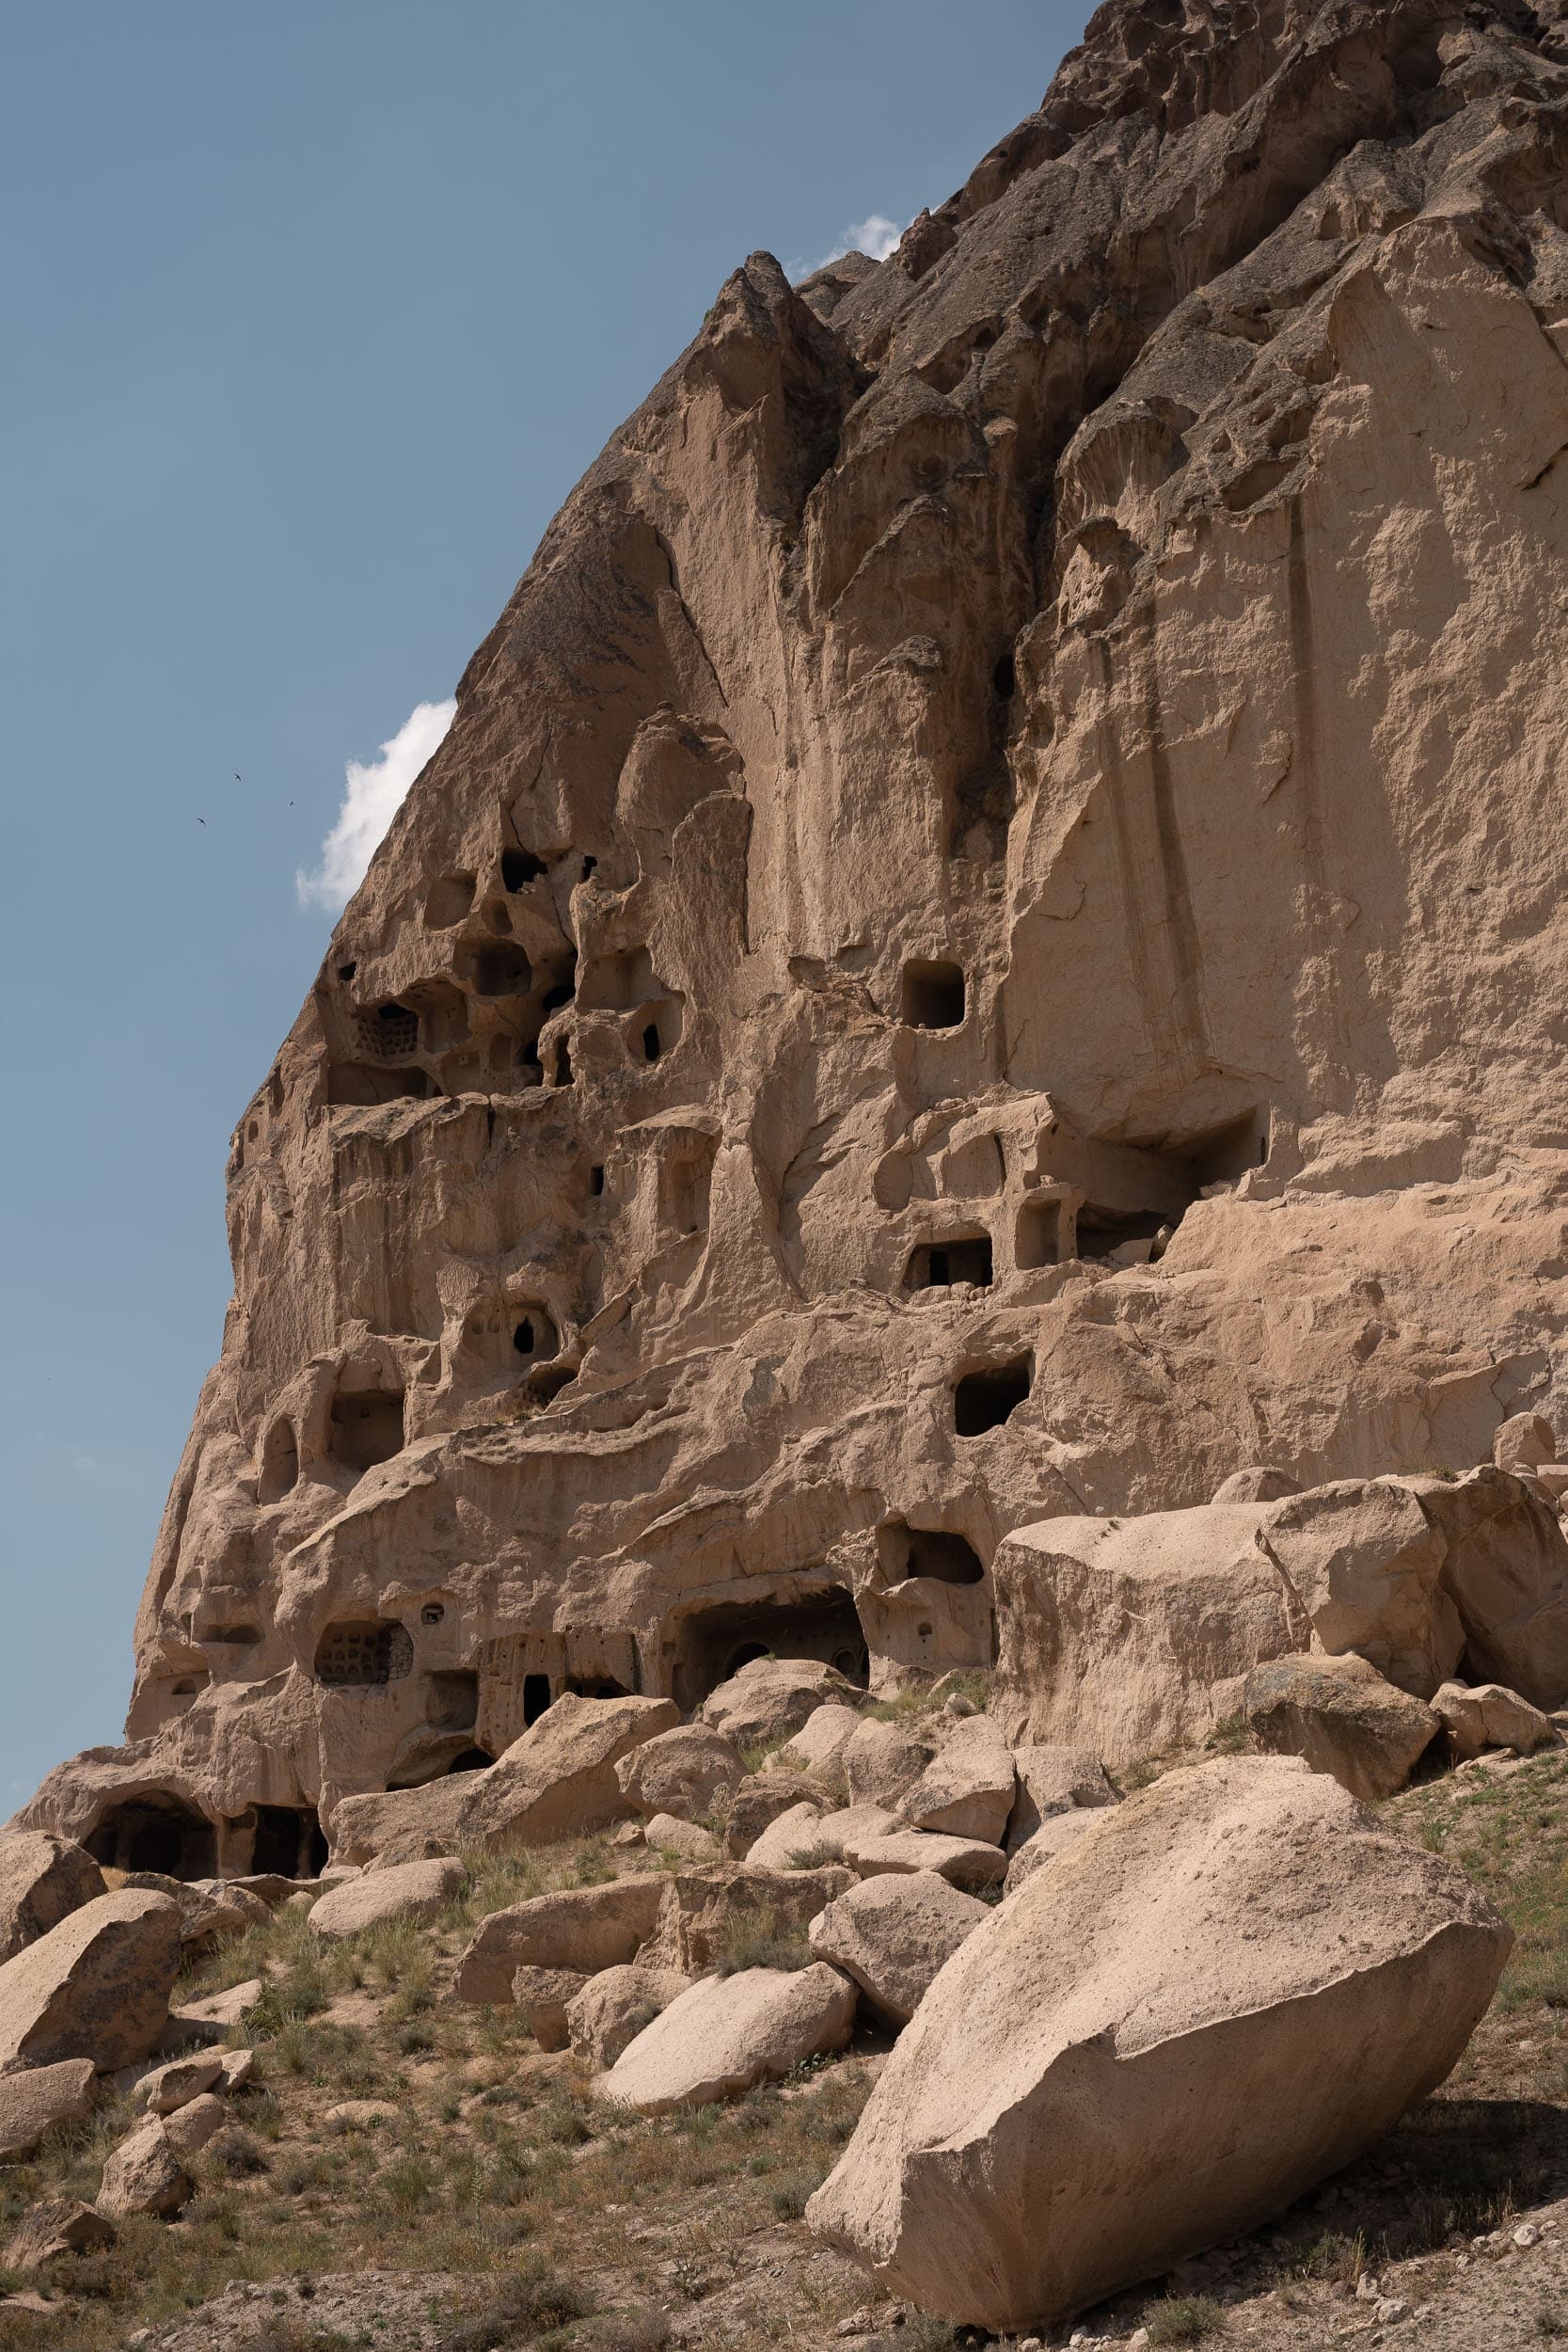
{"x": 1126, "y": 2063}
{"x": 818, "y": 1745}
{"x": 238, "y": 2068}
{"x": 179, "y": 2080}
{"x": 771, "y": 1697}
{"x": 666, "y": 1834}
{"x": 1487, "y": 1716}
{"x": 1052, "y": 1781}
{"x": 706, "y": 1909}
{"x": 1261, "y": 1483}
{"x": 729, "y": 2032}
{"x": 611, "y": 2009}
{"x": 544, "y": 1996}
{"x": 685, "y": 1771}
{"x": 759, "y": 1800}
{"x": 838, "y": 1830}
{"x": 58, "y": 2226}
{"x": 145, "y": 2176}
{"x": 892, "y": 1933}
{"x": 190, "y": 2127}
{"x": 1342, "y": 1717}
{"x": 403, "y": 1825}
{"x": 211, "y": 1913}
{"x": 96, "y": 1986}
{"x": 35, "y": 2100}
{"x": 883, "y": 1763}
{"x": 967, "y": 1788}
{"x": 970, "y": 1863}
{"x": 1523, "y": 1442}
{"x": 406, "y": 1890}
{"x": 360, "y": 2115}
{"x": 211, "y": 2015}
{"x": 794, "y": 1834}
{"x": 559, "y": 1779}
{"x": 1051, "y": 1838}
{"x": 1505, "y": 1568}
{"x": 42, "y": 1880}
{"x": 585, "y": 1928}
{"x": 1366, "y": 1564}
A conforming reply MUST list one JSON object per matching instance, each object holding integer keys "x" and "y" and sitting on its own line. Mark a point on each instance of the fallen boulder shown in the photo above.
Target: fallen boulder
{"x": 585, "y": 1928}
{"x": 837, "y": 1831}
{"x": 771, "y": 1697}
{"x": 1230, "y": 1987}
{"x": 972, "y": 1863}
{"x": 1051, "y": 1838}
{"x": 211, "y": 1912}
{"x": 544, "y": 1995}
{"x": 1366, "y": 1564}
{"x": 1505, "y": 1568}
{"x": 145, "y": 2176}
{"x": 1054, "y": 1780}
{"x": 190, "y": 2127}
{"x": 97, "y": 1986}
{"x": 760, "y": 1799}
{"x": 1342, "y": 1717}
{"x": 178, "y": 2081}
{"x": 711, "y": 1910}
{"x": 1487, "y": 1716}
{"x": 794, "y": 1834}
{"x": 612, "y": 2007}
{"x": 62, "y": 2225}
{"x": 1259, "y": 1483}
{"x": 685, "y": 1771}
{"x": 402, "y": 1824}
{"x": 967, "y": 1788}
{"x": 892, "y": 1933}
{"x": 818, "y": 1745}
{"x": 667, "y": 1833}
{"x": 405, "y": 1890}
{"x": 883, "y": 1763}
{"x": 36, "y": 2099}
{"x": 42, "y": 1880}
{"x": 729, "y": 2032}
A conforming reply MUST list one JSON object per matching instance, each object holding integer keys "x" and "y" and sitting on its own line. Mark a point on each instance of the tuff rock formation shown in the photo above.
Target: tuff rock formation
{"x": 985, "y": 944}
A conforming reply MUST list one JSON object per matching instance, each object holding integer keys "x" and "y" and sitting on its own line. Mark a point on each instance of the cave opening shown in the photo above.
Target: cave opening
{"x": 155, "y": 1834}
{"x": 933, "y": 995}
{"x": 984, "y": 1400}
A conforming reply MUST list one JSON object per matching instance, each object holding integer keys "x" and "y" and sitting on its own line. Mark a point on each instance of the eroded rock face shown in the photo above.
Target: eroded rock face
{"x": 1124, "y": 2063}
{"x": 97, "y": 1986}
{"x": 42, "y": 1880}
{"x": 914, "y": 1000}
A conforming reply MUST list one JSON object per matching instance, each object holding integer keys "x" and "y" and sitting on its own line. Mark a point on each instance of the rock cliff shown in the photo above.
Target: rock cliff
{"x": 985, "y": 944}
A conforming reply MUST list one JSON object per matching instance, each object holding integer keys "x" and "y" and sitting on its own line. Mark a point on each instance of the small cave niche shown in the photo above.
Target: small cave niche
{"x": 519, "y": 867}
{"x": 240, "y": 1636}
{"x": 713, "y": 1643}
{"x": 279, "y": 1472}
{"x": 534, "y": 1336}
{"x": 537, "y": 1695}
{"x": 686, "y": 1185}
{"x": 563, "y": 1076}
{"x": 471, "y": 1760}
{"x": 448, "y": 900}
{"x": 347, "y": 971}
{"x": 596, "y": 1687}
{"x": 960, "y": 1258}
{"x": 388, "y": 1031}
{"x": 1004, "y": 678}
{"x": 596, "y": 1182}
{"x": 289, "y": 1842}
{"x": 1102, "y": 1231}
{"x": 619, "y": 983}
{"x": 498, "y": 970}
{"x": 367, "y": 1427}
{"x": 189, "y": 1686}
{"x": 359, "y": 1085}
{"x": 653, "y": 1045}
{"x": 547, "y": 1384}
{"x": 155, "y": 1833}
{"x": 363, "y": 1654}
{"x": 984, "y": 1400}
{"x": 1038, "y": 1237}
{"x": 451, "y": 1701}
{"x": 904, "y": 1551}
{"x": 531, "y": 1069}
{"x": 932, "y": 995}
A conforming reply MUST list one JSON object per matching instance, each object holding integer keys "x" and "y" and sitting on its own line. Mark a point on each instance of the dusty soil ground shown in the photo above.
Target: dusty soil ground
{"x": 495, "y": 2204}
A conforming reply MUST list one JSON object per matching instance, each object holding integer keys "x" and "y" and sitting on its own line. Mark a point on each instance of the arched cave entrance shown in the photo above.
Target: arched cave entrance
{"x": 713, "y": 1643}
{"x": 155, "y": 1834}
{"x": 290, "y": 1842}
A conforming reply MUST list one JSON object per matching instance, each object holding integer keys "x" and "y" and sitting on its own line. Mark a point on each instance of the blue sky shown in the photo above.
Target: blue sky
{"x": 313, "y": 315}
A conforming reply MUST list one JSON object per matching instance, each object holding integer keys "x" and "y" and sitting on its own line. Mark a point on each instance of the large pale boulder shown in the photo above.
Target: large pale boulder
{"x": 967, "y": 1788}
{"x": 42, "y": 1880}
{"x": 544, "y": 1995}
{"x": 1054, "y": 1780}
{"x": 881, "y": 1762}
{"x": 892, "y": 1933}
{"x": 683, "y": 1772}
{"x": 190, "y": 2127}
{"x": 145, "y": 2175}
{"x": 585, "y": 1928}
{"x": 1259, "y": 1483}
{"x": 667, "y": 1833}
{"x": 405, "y": 1890}
{"x": 759, "y": 1800}
{"x": 771, "y": 1697}
{"x": 1366, "y": 1564}
{"x": 607, "y": 2015}
{"x": 793, "y": 1833}
{"x": 729, "y": 2032}
{"x": 1505, "y": 1568}
{"x": 818, "y": 1745}
{"x": 404, "y": 1824}
{"x": 1341, "y": 1716}
{"x": 836, "y": 1831}
{"x": 970, "y": 1863}
{"x": 211, "y": 1912}
{"x": 60, "y": 2226}
{"x": 178, "y": 2081}
{"x": 1487, "y": 1716}
{"x": 1112, "y": 1633}
{"x": 707, "y": 1912}
{"x": 97, "y": 1986}
{"x": 1227, "y": 1989}
{"x": 1052, "y": 1837}
{"x": 37, "y": 2098}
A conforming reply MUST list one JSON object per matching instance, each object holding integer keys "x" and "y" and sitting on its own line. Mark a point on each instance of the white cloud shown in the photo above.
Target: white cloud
{"x": 875, "y": 235}
{"x": 376, "y": 793}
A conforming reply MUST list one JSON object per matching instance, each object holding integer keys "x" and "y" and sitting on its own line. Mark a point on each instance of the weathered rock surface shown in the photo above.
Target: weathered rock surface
{"x": 405, "y": 1890}
{"x": 1505, "y": 1568}
{"x": 892, "y": 1933}
{"x": 1125, "y": 2062}
{"x": 37, "y": 2098}
{"x": 1365, "y": 1563}
{"x": 1043, "y": 1845}
{"x": 178, "y": 2081}
{"x": 818, "y": 1745}
{"x": 1487, "y": 1716}
{"x": 544, "y": 1996}
{"x": 211, "y": 1913}
{"x": 97, "y": 1986}
{"x": 144, "y": 2175}
{"x": 1259, "y": 1483}
{"x": 42, "y": 1879}
{"x": 613, "y": 2007}
{"x": 1341, "y": 1716}
{"x": 881, "y": 1763}
{"x": 1053, "y": 1781}
{"x": 729, "y": 2032}
{"x": 967, "y": 1789}
{"x": 706, "y": 1909}
{"x": 759, "y": 1800}
{"x": 683, "y": 1772}
{"x": 59, "y": 2226}
{"x": 836, "y": 1832}
{"x": 795, "y": 1833}
{"x": 914, "y": 1000}
{"x": 667, "y": 1833}
{"x": 585, "y": 1928}
{"x": 771, "y": 1697}
{"x": 966, "y": 1862}
{"x": 189, "y": 2129}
